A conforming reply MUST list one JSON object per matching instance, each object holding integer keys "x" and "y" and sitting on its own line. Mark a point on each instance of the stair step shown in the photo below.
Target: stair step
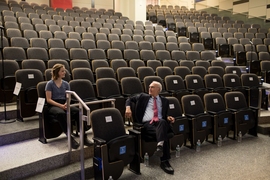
{"x": 18, "y": 131}
{"x": 44, "y": 157}
{"x": 264, "y": 129}
{"x": 68, "y": 172}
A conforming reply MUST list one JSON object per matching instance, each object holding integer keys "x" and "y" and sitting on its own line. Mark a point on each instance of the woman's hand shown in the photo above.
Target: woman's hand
{"x": 64, "y": 106}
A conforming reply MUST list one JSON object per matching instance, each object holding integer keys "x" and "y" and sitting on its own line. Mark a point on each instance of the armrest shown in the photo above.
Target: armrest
{"x": 191, "y": 90}
{"x": 115, "y": 96}
{"x": 134, "y": 132}
{"x": 194, "y": 116}
{"x": 212, "y": 112}
{"x": 190, "y": 115}
{"x": 126, "y": 95}
{"x": 101, "y": 97}
{"x": 99, "y": 141}
{"x": 254, "y": 108}
{"x": 233, "y": 110}
{"x": 137, "y": 126}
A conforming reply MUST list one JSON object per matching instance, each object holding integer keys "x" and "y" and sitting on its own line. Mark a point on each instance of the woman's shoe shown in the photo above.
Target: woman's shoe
{"x": 87, "y": 142}
{"x": 74, "y": 143}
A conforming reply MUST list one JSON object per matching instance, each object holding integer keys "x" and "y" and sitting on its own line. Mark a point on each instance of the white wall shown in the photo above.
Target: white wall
{"x": 36, "y": 1}
{"x": 107, "y": 4}
{"x": 254, "y": 8}
{"x": 134, "y": 9}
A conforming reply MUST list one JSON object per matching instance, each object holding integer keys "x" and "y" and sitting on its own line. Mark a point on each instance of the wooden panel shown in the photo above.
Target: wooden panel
{"x": 61, "y": 4}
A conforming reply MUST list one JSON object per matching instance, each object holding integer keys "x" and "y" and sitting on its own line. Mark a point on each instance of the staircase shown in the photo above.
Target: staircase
{"x": 24, "y": 157}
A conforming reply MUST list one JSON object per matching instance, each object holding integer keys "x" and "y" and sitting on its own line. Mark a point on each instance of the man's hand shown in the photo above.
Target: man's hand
{"x": 171, "y": 119}
{"x": 128, "y": 112}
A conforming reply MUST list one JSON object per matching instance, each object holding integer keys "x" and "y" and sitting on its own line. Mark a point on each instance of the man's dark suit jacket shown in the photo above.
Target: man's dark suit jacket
{"x": 139, "y": 103}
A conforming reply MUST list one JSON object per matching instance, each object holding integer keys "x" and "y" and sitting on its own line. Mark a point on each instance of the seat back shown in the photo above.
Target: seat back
{"x": 145, "y": 71}
{"x": 182, "y": 71}
{"x": 79, "y": 63}
{"x": 117, "y": 63}
{"x": 107, "y": 124}
{"x": 235, "y": 100}
{"x": 136, "y": 63}
{"x": 28, "y": 77}
{"x": 250, "y": 80}
{"x": 231, "y": 80}
{"x": 213, "y": 81}
{"x": 194, "y": 81}
{"x": 104, "y": 91}
{"x": 58, "y": 53}
{"x": 125, "y": 72}
{"x": 163, "y": 71}
{"x": 131, "y": 86}
{"x": 99, "y": 63}
{"x": 174, "y": 83}
{"x": 78, "y": 53}
{"x": 214, "y": 102}
{"x": 83, "y": 73}
{"x": 234, "y": 70}
{"x": 192, "y": 104}
{"x": 200, "y": 70}
{"x": 154, "y": 64}
{"x": 171, "y": 64}
{"x": 187, "y": 63}
{"x": 34, "y": 64}
{"x": 216, "y": 70}
{"x": 87, "y": 92}
{"x": 104, "y": 72}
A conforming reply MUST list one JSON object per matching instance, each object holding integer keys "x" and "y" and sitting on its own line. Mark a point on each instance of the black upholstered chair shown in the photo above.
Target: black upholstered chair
{"x": 113, "y": 148}
{"x": 27, "y": 98}
{"x": 245, "y": 117}
{"x": 200, "y": 123}
{"x": 222, "y": 119}
{"x": 181, "y": 125}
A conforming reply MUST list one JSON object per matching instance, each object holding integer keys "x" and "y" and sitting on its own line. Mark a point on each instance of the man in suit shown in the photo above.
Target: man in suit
{"x": 151, "y": 111}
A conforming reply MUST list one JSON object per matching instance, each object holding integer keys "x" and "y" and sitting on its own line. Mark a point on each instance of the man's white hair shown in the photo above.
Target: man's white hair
{"x": 159, "y": 85}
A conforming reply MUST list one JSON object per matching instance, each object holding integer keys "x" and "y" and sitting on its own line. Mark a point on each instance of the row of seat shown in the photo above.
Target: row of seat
{"x": 63, "y": 20}
{"x": 45, "y": 9}
{"x": 98, "y": 53}
{"x": 156, "y": 6}
{"x": 101, "y": 69}
{"x": 134, "y": 68}
{"x": 61, "y": 15}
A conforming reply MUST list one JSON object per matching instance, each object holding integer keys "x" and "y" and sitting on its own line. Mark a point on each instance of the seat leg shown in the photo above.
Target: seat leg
{"x": 103, "y": 169}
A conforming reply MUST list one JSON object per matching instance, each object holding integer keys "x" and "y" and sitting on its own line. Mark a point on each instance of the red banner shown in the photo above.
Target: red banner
{"x": 61, "y": 4}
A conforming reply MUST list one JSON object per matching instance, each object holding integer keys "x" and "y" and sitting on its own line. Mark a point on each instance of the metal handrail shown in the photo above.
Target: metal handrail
{"x": 81, "y": 105}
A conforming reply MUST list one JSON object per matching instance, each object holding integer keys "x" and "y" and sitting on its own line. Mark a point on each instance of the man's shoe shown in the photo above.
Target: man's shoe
{"x": 74, "y": 143}
{"x": 87, "y": 142}
{"x": 166, "y": 167}
{"x": 159, "y": 151}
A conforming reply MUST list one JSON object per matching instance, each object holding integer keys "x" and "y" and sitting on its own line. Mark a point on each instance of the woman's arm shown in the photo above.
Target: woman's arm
{"x": 54, "y": 103}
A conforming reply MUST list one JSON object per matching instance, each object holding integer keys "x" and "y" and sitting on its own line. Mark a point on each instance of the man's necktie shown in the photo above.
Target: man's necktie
{"x": 155, "y": 110}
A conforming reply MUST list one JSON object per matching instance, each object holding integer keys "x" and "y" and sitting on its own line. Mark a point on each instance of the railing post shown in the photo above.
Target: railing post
{"x": 82, "y": 105}
{"x": 68, "y": 122}
{"x": 82, "y": 141}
